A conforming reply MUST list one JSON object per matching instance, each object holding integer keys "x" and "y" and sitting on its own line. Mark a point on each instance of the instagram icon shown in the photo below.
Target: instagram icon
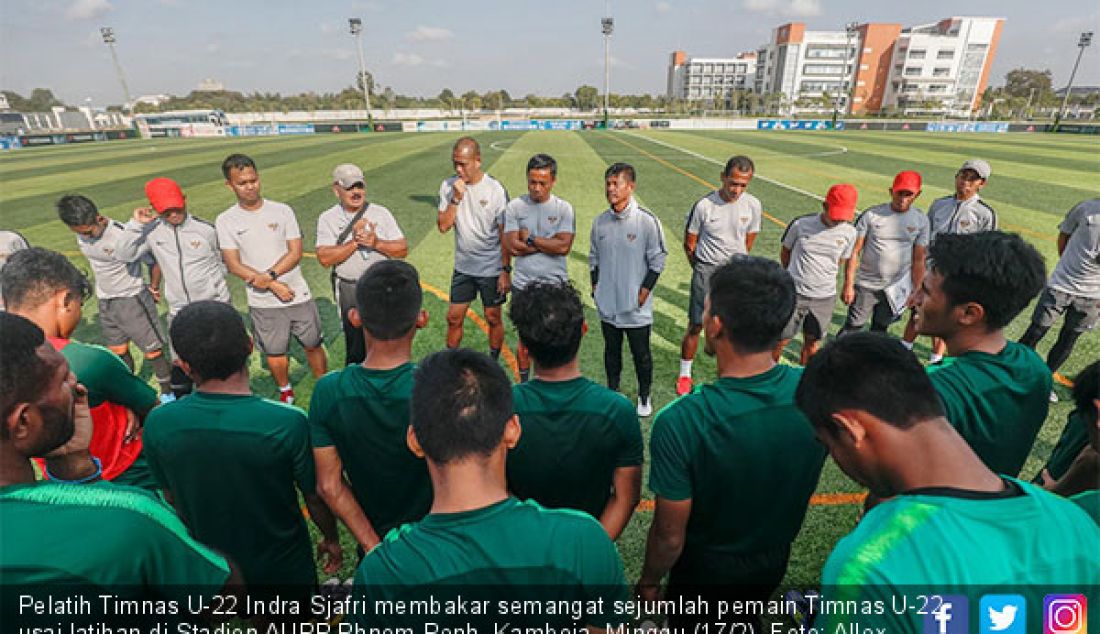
{"x": 1065, "y": 614}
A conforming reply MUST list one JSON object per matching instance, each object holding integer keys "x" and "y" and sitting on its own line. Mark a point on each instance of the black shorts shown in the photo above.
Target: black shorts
{"x": 465, "y": 288}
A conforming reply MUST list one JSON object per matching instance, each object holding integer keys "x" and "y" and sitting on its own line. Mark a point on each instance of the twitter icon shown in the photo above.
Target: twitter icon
{"x": 1003, "y": 614}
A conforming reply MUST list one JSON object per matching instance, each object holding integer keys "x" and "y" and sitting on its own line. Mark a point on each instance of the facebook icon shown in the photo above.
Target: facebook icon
{"x": 946, "y": 614}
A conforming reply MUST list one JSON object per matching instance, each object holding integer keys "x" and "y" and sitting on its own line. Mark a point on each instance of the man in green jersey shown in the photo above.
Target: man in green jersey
{"x": 995, "y": 391}
{"x": 480, "y": 543}
{"x": 1078, "y": 450}
{"x": 359, "y": 416}
{"x": 44, "y": 287}
{"x": 115, "y": 539}
{"x": 582, "y": 444}
{"x": 734, "y": 463}
{"x": 233, "y": 463}
{"x": 948, "y": 525}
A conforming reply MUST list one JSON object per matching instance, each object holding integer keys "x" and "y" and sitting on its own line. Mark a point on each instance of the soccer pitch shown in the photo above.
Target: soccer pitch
{"x": 1035, "y": 180}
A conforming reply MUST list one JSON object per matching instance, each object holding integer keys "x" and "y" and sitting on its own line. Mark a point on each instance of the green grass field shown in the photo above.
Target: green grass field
{"x": 1036, "y": 179}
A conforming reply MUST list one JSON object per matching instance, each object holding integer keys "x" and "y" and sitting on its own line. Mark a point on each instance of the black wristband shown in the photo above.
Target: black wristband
{"x": 531, "y": 241}
{"x": 271, "y": 273}
{"x": 595, "y": 275}
{"x": 507, "y": 268}
{"x": 650, "y": 279}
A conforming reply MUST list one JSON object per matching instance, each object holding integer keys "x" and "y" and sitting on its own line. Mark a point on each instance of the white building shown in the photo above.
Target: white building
{"x": 703, "y": 78}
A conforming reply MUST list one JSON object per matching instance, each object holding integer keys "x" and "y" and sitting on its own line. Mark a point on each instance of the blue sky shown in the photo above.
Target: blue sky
{"x": 420, "y": 47}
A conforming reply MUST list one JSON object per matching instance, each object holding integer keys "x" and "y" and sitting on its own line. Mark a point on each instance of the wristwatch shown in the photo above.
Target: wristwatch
{"x": 531, "y": 241}
{"x": 507, "y": 268}
{"x": 271, "y": 273}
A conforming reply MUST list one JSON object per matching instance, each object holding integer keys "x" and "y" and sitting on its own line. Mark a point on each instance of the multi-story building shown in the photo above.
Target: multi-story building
{"x": 703, "y": 78}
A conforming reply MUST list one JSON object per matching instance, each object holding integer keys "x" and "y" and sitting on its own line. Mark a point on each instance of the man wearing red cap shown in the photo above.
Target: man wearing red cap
{"x": 186, "y": 248}
{"x": 890, "y": 247}
{"x": 814, "y": 247}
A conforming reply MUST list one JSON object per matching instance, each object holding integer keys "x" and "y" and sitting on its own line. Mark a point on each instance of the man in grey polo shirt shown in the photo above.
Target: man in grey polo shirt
{"x": 814, "y": 248}
{"x": 353, "y": 248}
{"x": 719, "y": 226}
{"x": 472, "y": 203}
{"x": 626, "y": 256}
{"x": 186, "y": 249}
{"x": 539, "y": 229}
{"x": 10, "y": 242}
{"x": 964, "y": 212}
{"x": 1073, "y": 288}
{"x": 891, "y": 242}
{"x": 262, "y": 244}
{"x": 127, "y": 311}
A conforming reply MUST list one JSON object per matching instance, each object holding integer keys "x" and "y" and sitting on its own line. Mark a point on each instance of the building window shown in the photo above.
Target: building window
{"x": 823, "y": 69}
{"x": 941, "y": 72}
{"x": 912, "y": 71}
{"x": 938, "y": 88}
{"x": 947, "y": 53}
{"x": 916, "y": 53}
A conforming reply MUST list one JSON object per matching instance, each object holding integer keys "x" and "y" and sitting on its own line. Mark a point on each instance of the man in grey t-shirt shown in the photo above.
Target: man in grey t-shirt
{"x": 1073, "y": 288}
{"x": 10, "y": 242}
{"x": 719, "y": 226}
{"x": 375, "y": 237}
{"x": 538, "y": 231}
{"x": 262, "y": 244}
{"x": 890, "y": 250}
{"x": 472, "y": 203}
{"x": 626, "y": 256}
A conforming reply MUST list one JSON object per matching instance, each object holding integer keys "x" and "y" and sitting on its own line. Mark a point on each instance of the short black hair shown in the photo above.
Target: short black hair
{"x": 389, "y": 298}
{"x": 211, "y": 338}
{"x": 76, "y": 210}
{"x": 549, "y": 319}
{"x": 999, "y": 271}
{"x": 32, "y": 276}
{"x": 621, "y": 168}
{"x": 543, "y": 162}
{"x": 871, "y": 372}
{"x": 23, "y": 374}
{"x": 741, "y": 163}
{"x": 461, "y": 401}
{"x": 236, "y": 162}
{"x": 1086, "y": 389}
{"x": 754, "y": 297}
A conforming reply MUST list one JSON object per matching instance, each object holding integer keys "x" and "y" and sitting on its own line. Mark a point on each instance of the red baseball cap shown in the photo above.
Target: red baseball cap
{"x": 840, "y": 202}
{"x": 907, "y": 181}
{"x": 164, "y": 194}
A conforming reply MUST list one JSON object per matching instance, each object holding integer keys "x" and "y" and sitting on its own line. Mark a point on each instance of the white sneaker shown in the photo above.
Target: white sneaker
{"x": 645, "y": 406}
{"x": 1053, "y": 396}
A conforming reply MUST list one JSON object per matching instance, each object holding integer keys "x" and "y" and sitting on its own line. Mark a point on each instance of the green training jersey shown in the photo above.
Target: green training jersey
{"x": 945, "y": 541}
{"x": 747, "y": 459}
{"x": 576, "y": 433}
{"x": 118, "y": 539}
{"x": 509, "y": 550}
{"x": 364, "y": 414}
{"x": 997, "y": 402}
{"x": 231, "y": 464}
{"x": 1090, "y": 502}
{"x": 1069, "y": 446}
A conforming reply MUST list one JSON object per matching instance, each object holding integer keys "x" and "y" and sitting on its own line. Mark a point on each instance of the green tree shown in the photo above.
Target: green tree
{"x": 588, "y": 97}
{"x": 1021, "y": 81}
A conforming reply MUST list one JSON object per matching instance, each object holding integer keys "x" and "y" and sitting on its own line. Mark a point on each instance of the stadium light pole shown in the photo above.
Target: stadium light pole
{"x": 1082, "y": 44}
{"x": 355, "y": 25}
{"x": 108, "y": 34}
{"x": 849, "y": 30}
{"x": 607, "y": 25}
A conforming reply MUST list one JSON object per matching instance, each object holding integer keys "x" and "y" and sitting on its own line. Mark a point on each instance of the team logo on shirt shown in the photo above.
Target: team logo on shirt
{"x": 630, "y": 237}
{"x": 196, "y": 244}
{"x": 744, "y": 220}
{"x": 108, "y": 252}
{"x": 484, "y": 202}
{"x": 273, "y": 226}
{"x": 552, "y": 219}
{"x": 964, "y": 223}
{"x": 839, "y": 242}
{"x": 910, "y": 228}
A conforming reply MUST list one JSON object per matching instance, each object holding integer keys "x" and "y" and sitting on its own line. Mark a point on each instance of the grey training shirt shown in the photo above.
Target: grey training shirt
{"x": 10, "y": 242}
{"x": 950, "y": 215}
{"x": 335, "y": 220}
{"x": 189, "y": 259}
{"x": 541, "y": 220}
{"x": 116, "y": 258}
{"x": 816, "y": 250}
{"x": 261, "y": 238}
{"x": 478, "y": 220}
{"x": 1078, "y": 270}
{"x": 889, "y": 238}
{"x": 723, "y": 228}
{"x": 625, "y": 246}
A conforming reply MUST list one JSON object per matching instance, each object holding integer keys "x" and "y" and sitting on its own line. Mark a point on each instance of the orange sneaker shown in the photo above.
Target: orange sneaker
{"x": 1061, "y": 380}
{"x": 684, "y": 385}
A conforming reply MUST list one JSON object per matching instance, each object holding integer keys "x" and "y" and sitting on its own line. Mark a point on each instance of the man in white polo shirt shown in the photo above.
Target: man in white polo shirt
{"x": 353, "y": 235}
{"x": 262, "y": 244}
{"x": 722, "y": 224}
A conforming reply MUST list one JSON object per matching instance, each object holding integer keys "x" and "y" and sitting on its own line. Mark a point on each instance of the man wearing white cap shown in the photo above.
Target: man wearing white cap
{"x": 965, "y": 212}
{"x": 353, "y": 235}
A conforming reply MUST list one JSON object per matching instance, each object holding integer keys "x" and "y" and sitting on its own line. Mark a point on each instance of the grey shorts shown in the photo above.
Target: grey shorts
{"x": 466, "y": 288}
{"x": 272, "y": 327}
{"x": 871, "y": 305}
{"x": 700, "y": 284}
{"x": 126, "y": 319}
{"x": 1083, "y": 315}
{"x": 811, "y": 316}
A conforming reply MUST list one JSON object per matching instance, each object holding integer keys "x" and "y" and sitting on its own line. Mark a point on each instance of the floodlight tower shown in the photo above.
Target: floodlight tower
{"x": 356, "y": 27}
{"x": 108, "y": 34}
{"x": 850, "y": 29}
{"x": 608, "y": 26}
{"x": 1082, "y": 43}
